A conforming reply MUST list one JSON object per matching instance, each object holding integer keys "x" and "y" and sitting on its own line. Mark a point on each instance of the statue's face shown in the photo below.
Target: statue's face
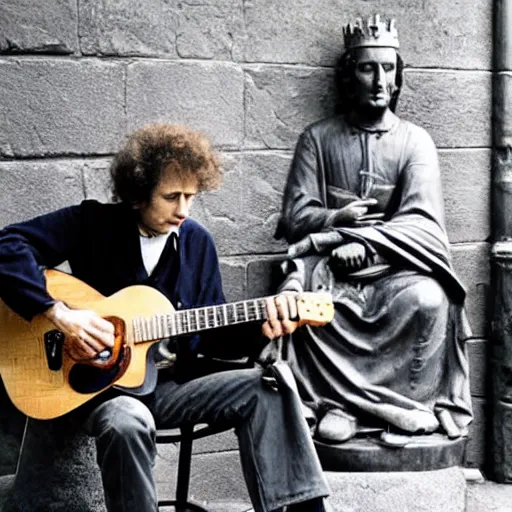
{"x": 375, "y": 76}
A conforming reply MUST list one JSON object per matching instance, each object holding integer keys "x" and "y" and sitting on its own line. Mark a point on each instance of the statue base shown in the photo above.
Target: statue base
{"x": 423, "y": 453}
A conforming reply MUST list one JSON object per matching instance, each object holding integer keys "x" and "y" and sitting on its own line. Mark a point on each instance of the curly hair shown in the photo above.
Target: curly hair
{"x": 137, "y": 168}
{"x": 344, "y": 77}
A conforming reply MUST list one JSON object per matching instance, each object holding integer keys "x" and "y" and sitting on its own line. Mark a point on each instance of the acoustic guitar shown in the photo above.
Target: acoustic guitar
{"x": 44, "y": 382}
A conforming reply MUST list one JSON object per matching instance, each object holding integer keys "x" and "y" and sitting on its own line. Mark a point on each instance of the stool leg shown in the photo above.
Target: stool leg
{"x": 185, "y": 460}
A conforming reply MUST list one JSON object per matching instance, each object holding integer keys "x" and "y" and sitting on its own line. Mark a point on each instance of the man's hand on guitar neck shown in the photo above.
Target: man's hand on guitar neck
{"x": 87, "y": 334}
{"x": 280, "y": 310}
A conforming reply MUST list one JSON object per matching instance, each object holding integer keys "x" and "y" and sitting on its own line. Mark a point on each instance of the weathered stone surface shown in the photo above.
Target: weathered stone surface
{"x": 282, "y": 101}
{"x": 209, "y": 30}
{"x": 128, "y": 28}
{"x": 488, "y": 497}
{"x": 59, "y": 106}
{"x": 97, "y": 179}
{"x": 207, "y": 96}
{"x": 466, "y": 179}
{"x": 187, "y": 29}
{"x": 453, "y": 106}
{"x": 32, "y": 188}
{"x": 242, "y": 215}
{"x": 38, "y": 27}
{"x": 233, "y": 271}
{"x": 434, "y": 34}
{"x": 471, "y": 263}
{"x": 478, "y": 366}
{"x": 420, "y": 491}
{"x": 478, "y": 434}
{"x": 215, "y": 476}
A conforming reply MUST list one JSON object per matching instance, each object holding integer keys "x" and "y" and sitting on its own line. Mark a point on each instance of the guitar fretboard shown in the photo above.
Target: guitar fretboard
{"x": 199, "y": 319}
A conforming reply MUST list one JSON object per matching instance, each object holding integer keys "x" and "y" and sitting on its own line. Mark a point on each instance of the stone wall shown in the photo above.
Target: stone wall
{"x": 76, "y": 75}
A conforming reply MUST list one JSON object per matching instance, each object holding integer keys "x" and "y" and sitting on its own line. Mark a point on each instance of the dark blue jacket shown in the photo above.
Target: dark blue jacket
{"x": 101, "y": 244}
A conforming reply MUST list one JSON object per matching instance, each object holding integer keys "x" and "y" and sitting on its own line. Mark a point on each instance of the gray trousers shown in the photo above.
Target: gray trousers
{"x": 278, "y": 458}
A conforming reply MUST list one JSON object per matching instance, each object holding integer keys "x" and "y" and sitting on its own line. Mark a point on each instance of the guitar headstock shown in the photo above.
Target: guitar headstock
{"x": 315, "y": 308}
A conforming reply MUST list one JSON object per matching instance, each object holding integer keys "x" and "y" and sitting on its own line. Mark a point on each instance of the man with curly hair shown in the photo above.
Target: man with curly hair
{"x": 146, "y": 237}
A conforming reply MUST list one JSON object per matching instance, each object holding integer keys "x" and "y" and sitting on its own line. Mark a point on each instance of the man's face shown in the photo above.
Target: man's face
{"x": 170, "y": 203}
{"x": 375, "y": 76}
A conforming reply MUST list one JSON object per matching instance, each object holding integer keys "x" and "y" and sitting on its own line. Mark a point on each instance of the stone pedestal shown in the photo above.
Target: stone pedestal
{"x": 423, "y": 453}
{"x": 57, "y": 470}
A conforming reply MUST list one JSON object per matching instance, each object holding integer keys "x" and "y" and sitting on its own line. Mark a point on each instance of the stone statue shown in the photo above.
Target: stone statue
{"x": 363, "y": 214}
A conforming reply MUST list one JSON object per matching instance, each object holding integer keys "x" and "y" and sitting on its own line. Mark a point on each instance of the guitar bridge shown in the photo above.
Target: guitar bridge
{"x": 53, "y": 344}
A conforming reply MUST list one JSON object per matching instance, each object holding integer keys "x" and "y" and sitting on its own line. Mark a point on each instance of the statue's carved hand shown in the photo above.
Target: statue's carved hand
{"x": 349, "y": 257}
{"x": 352, "y": 212}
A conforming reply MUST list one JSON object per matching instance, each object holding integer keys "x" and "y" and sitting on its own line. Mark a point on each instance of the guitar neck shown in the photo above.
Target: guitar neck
{"x": 190, "y": 321}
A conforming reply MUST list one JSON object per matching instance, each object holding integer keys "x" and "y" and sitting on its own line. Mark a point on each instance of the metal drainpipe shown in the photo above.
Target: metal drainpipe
{"x": 501, "y": 252}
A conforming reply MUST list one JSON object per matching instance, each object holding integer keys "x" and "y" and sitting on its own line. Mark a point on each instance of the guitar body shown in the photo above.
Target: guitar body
{"x": 42, "y": 393}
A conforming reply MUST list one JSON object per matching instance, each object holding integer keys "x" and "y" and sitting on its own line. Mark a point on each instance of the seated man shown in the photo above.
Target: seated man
{"x": 363, "y": 208}
{"x": 133, "y": 241}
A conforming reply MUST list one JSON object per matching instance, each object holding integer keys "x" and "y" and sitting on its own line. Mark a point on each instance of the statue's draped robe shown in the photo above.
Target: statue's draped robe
{"x": 395, "y": 352}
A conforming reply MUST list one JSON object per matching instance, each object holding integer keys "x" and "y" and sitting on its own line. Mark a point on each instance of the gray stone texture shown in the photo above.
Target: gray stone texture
{"x": 214, "y": 476}
{"x": 184, "y": 29}
{"x": 471, "y": 263}
{"x": 60, "y": 106}
{"x": 453, "y": 106}
{"x": 466, "y": 181}
{"x": 477, "y": 452}
{"x": 282, "y": 100}
{"x": 437, "y": 33}
{"x": 125, "y": 27}
{"x": 33, "y": 188}
{"x": 207, "y": 96}
{"x": 48, "y": 26}
{"x": 422, "y": 491}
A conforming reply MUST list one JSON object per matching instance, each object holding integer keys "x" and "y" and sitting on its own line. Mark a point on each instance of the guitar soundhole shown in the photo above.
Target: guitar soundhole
{"x": 85, "y": 379}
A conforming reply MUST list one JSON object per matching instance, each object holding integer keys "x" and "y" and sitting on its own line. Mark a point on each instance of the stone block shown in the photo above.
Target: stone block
{"x": 488, "y": 497}
{"x": 466, "y": 179}
{"x": 128, "y": 28}
{"x": 453, "y": 106}
{"x": 420, "y": 491}
{"x": 60, "y": 107}
{"x": 207, "y": 96}
{"x": 233, "y": 271}
{"x": 31, "y": 188}
{"x": 188, "y": 29}
{"x": 434, "y": 34}
{"x": 282, "y": 101}
{"x": 477, "y": 451}
{"x": 97, "y": 179}
{"x": 38, "y": 27}
{"x": 471, "y": 263}
{"x": 210, "y": 30}
{"x": 478, "y": 367}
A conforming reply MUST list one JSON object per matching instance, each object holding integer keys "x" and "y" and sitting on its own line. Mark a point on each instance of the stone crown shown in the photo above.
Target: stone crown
{"x": 371, "y": 32}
